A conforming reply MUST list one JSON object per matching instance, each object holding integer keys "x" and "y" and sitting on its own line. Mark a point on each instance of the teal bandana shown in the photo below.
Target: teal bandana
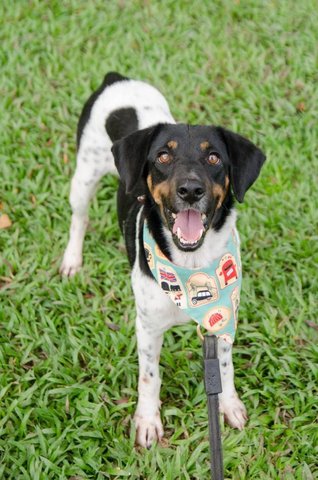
{"x": 211, "y": 295}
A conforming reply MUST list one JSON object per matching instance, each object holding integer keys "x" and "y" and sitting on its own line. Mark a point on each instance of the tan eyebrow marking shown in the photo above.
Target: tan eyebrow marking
{"x": 172, "y": 144}
{"x": 204, "y": 146}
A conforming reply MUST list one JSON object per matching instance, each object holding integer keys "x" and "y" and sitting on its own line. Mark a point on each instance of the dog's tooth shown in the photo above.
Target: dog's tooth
{"x": 179, "y": 232}
{"x": 174, "y": 215}
{"x": 203, "y": 216}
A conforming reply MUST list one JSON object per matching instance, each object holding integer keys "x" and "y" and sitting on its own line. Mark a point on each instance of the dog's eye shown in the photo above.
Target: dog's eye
{"x": 214, "y": 159}
{"x": 163, "y": 157}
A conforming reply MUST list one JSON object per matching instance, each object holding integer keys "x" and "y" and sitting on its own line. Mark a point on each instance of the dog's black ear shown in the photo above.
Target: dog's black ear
{"x": 130, "y": 154}
{"x": 246, "y": 161}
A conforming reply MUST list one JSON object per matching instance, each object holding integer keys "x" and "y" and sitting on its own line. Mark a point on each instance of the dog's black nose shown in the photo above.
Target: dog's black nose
{"x": 191, "y": 190}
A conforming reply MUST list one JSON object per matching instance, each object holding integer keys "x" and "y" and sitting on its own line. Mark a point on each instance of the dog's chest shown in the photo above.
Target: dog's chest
{"x": 154, "y": 308}
{"x": 154, "y": 305}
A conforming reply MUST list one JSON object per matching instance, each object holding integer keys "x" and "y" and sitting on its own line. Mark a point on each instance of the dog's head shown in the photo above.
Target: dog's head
{"x": 189, "y": 172}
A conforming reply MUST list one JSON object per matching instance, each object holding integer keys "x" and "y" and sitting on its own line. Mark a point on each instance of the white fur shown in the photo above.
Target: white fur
{"x": 94, "y": 156}
{"x": 155, "y": 311}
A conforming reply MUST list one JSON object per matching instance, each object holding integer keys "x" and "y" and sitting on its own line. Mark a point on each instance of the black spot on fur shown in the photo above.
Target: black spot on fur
{"x": 121, "y": 122}
{"x": 109, "y": 79}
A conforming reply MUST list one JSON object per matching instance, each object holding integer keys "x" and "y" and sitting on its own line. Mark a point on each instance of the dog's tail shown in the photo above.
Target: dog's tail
{"x": 113, "y": 77}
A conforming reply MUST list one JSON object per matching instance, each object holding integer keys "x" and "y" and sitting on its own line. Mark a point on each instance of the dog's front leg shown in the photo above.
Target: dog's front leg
{"x": 147, "y": 417}
{"x": 230, "y": 404}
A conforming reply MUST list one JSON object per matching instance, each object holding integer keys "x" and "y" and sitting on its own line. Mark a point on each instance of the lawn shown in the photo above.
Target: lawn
{"x": 68, "y": 363}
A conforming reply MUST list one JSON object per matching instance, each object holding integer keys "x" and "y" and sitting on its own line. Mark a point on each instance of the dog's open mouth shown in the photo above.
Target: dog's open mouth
{"x": 188, "y": 228}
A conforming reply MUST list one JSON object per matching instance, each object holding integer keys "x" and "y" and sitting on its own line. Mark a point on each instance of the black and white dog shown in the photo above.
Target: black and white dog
{"x": 180, "y": 179}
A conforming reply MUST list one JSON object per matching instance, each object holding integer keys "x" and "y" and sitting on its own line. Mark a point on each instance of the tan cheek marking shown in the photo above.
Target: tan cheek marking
{"x": 172, "y": 144}
{"x": 218, "y": 192}
{"x": 158, "y": 191}
{"x": 204, "y": 146}
{"x": 149, "y": 182}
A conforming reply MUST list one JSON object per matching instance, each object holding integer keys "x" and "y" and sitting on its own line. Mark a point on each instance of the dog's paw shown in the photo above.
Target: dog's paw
{"x": 148, "y": 429}
{"x": 71, "y": 264}
{"x": 234, "y": 411}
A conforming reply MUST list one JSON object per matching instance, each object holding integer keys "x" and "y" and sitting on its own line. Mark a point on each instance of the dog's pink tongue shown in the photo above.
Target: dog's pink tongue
{"x": 190, "y": 224}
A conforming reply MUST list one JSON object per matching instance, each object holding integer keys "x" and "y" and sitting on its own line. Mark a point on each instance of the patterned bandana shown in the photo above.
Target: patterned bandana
{"x": 210, "y": 296}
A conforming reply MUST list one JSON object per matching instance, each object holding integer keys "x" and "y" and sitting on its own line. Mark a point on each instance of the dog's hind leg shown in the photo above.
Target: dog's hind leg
{"x": 94, "y": 159}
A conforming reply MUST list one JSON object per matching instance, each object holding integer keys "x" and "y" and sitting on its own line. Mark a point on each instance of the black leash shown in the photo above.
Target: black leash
{"x": 213, "y": 386}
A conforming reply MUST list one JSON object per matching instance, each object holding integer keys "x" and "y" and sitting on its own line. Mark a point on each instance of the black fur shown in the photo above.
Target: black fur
{"x": 109, "y": 79}
{"x": 130, "y": 156}
{"x": 136, "y": 156}
{"x": 245, "y": 160}
{"x": 128, "y": 207}
{"x": 121, "y": 123}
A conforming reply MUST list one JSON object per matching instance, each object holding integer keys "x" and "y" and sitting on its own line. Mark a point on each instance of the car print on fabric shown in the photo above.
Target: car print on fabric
{"x": 202, "y": 289}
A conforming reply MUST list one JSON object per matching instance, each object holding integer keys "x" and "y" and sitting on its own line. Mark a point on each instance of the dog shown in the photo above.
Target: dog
{"x": 181, "y": 181}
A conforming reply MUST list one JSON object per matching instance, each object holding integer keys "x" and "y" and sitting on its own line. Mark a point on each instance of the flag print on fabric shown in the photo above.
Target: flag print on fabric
{"x": 169, "y": 276}
{"x": 171, "y": 284}
{"x": 210, "y": 296}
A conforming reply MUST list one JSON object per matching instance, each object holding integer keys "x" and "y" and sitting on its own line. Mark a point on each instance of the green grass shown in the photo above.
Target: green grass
{"x": 68, "y": 351}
